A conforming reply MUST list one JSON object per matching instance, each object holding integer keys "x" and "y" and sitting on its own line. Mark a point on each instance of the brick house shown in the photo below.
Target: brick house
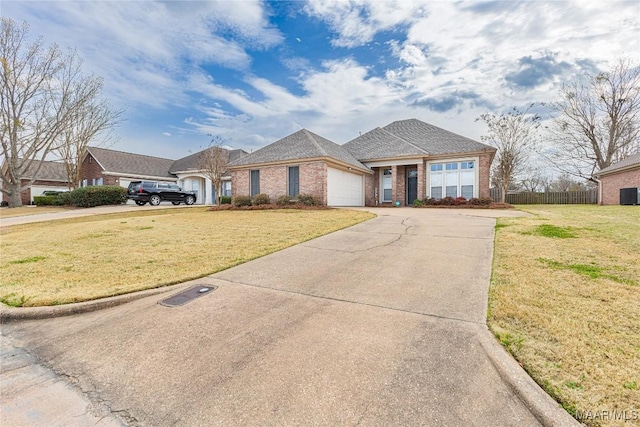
{"x": 52, "y": 176}
{"x": 101, "y": 166}
{"x": 623, "y": 174}
{"x": 397, "y": 164}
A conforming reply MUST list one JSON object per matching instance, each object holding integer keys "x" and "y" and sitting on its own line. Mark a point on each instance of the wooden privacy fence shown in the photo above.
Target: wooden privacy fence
{"x": 589, "y": 197}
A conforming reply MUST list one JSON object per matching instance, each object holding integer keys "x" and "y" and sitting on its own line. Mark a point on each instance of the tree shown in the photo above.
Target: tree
{"x": 535, "y": 180}
{"x": 213, "y": 161}
{"x": 42, "y": 92}
{"x": 514, "y": 135}
{"x": 95, "y": 118}
{"x": 598, "y": 120}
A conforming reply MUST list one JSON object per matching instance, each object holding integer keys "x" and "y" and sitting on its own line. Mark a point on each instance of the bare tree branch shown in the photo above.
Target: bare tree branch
{"x": 514, "y": 135}
{"x": 42, "y": 94}
{"x": 213, "y": 162}
{"x": 598, "y": 121}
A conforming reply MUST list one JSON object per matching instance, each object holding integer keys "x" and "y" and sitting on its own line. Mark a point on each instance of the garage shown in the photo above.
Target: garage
{"x": 344, "y": 188}
{"x": 38, "y": 190}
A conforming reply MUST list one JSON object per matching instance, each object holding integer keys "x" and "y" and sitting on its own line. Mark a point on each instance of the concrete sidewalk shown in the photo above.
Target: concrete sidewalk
{"x": 379, "y": 324}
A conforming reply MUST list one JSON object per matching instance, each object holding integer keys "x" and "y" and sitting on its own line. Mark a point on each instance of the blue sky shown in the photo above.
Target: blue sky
{"x": 252, "y": 72}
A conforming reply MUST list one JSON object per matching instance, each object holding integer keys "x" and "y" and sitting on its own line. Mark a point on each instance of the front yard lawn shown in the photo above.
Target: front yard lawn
{"x": 565, "y": 301}
{"x": 81, "y": 259}
{"x": 31, "y": 210}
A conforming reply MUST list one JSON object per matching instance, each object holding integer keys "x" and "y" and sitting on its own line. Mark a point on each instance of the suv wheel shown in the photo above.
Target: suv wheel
{"x": 154, "y": 200}
{"x": 175, "y": 203}
{"x": 190, "y": 200}
{"x": 140, "y": 203}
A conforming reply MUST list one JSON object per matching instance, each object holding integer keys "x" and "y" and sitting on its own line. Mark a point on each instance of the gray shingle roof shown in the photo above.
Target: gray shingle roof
{"x": 49, "y": 171}
{"x": 622, "y": 164}
{"x": 298, "y": 146}
{"x": 131, "y": 164}
{"x": 412, "y": 137}
{"x": 192, "y": 162}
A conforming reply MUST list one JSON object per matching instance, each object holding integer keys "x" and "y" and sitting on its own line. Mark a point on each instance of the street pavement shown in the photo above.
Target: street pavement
{"x": 379, "y": 324}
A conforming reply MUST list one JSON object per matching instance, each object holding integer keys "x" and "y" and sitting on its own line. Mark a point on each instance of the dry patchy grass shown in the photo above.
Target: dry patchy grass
{"x": 86, "y": 258}
{"x": 31, "y": 210}
{"x": 565, "y": 301}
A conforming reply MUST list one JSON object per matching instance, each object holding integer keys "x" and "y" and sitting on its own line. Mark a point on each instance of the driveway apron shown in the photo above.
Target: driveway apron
{"x": 377, "y": 324}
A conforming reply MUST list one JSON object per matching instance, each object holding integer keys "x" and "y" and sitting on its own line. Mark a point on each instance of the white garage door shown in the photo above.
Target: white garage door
{"x": 37, "y": 190}
{"x": 344, "y": 188}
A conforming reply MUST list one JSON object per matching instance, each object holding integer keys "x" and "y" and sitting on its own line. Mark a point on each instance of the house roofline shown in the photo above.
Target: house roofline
{"x": 618, "y": 170}
{"x": 329, "y": 160}
{"x": 134, "y": 176}
{"x": 430, "y": 156}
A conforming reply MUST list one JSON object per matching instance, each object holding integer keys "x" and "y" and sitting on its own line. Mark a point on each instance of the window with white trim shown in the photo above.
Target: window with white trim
{"x": 386, "y": 185}
{"x": 452, "y": 179}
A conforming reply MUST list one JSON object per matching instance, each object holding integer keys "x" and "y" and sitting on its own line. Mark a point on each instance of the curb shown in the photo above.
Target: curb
{"x": 541, "y": 405}
{"x": 12, "y": 314}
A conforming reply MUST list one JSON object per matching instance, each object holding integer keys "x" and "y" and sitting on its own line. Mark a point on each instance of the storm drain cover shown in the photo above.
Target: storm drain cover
{"x": 187, "y": 295}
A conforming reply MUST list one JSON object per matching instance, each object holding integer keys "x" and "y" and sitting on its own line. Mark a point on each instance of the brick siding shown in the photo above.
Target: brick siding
{"x": 91, "y": 170}
{"x": 274, "y": 180}
{"x": 611, "y": 185}
{"x": 484, "y": 168}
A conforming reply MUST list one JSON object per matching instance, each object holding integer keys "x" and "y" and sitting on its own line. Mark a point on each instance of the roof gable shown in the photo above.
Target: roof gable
{"x": 627, "y": 162}
{"x": 300, "y": 145}
{"x": 49, "y": 171}
{"x": 192, "y": 162}
{"x": 412, "y": 137}
{"x": 131, "y": 164}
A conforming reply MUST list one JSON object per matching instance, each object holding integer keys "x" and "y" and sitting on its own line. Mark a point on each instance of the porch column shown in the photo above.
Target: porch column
{"x": 208, "y": 191}
{"x": 421, "y": 181}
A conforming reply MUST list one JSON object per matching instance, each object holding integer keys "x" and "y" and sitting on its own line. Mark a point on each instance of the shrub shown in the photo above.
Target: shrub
{"x": 239, "y": 201}
{"x": 4, "y": 204}
{"x": 485, "y": 201}
{"x": 474, "y": 201}
{"x": 43, "y": 200}
{"x": 417, "y": 203}
{"x": 225, "y": 200}
{"x": 459, "y": 201}
{"x": 98, "y": 195}
{"x": 307, "y": 200}
{"x": 430, "y": 201}
{"x": 446, "y": 201}
{"x": 283, "y": 200}
{"x": 260, "y": 199}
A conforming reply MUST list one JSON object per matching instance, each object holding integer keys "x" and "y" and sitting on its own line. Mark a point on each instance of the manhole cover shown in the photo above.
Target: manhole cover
{"x": 187, "y": 295}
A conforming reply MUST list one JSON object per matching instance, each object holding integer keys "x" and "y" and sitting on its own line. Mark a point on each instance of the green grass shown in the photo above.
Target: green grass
{"x": 104, "y": 255}
{"x": 565, "y": 302}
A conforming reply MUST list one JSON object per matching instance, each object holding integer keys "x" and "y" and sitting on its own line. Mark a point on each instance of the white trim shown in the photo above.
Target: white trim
{"x": 401, "y": 162}
{"x": 476, "y": 185}
{"x": 381, "y": 180}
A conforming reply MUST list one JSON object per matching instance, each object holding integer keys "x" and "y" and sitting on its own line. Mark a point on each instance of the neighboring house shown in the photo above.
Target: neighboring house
{"x": 397, "y": 164}
{"x": 623, "y": 174}
{"x": 190, "y": 175}
{"x": 52, "y": 176}
{"x": 101, "y": 166}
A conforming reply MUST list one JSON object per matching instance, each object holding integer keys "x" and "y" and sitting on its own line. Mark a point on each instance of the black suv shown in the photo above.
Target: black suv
{"x": 155, "y": 192}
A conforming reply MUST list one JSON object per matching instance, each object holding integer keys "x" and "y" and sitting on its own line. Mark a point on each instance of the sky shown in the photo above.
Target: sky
{"x": 252, "y": 72}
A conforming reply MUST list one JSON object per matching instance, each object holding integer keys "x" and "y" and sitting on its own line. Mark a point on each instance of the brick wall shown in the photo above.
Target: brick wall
{"x": 274, "y": 179}
{"x": 91, "y": 170}
{"x": 370, "y": 185}
{"x": 484, "y": 169}
{"x": 240, "y": 182}
{"x": 611, "y": 185}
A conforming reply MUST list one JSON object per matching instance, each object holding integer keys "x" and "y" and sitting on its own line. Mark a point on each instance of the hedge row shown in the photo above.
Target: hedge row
{"x": 264, "y": 199}
{"x": 86, "y": 197}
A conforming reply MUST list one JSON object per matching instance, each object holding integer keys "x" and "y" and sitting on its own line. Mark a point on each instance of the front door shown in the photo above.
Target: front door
{"x": 412, "y": 186}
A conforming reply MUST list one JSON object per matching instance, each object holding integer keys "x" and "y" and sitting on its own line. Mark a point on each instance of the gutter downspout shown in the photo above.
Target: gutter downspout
{"x": 599, "y": 189}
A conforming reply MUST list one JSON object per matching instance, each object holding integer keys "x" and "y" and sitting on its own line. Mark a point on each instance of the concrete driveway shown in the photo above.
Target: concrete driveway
{"x": 379, "y": 324}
